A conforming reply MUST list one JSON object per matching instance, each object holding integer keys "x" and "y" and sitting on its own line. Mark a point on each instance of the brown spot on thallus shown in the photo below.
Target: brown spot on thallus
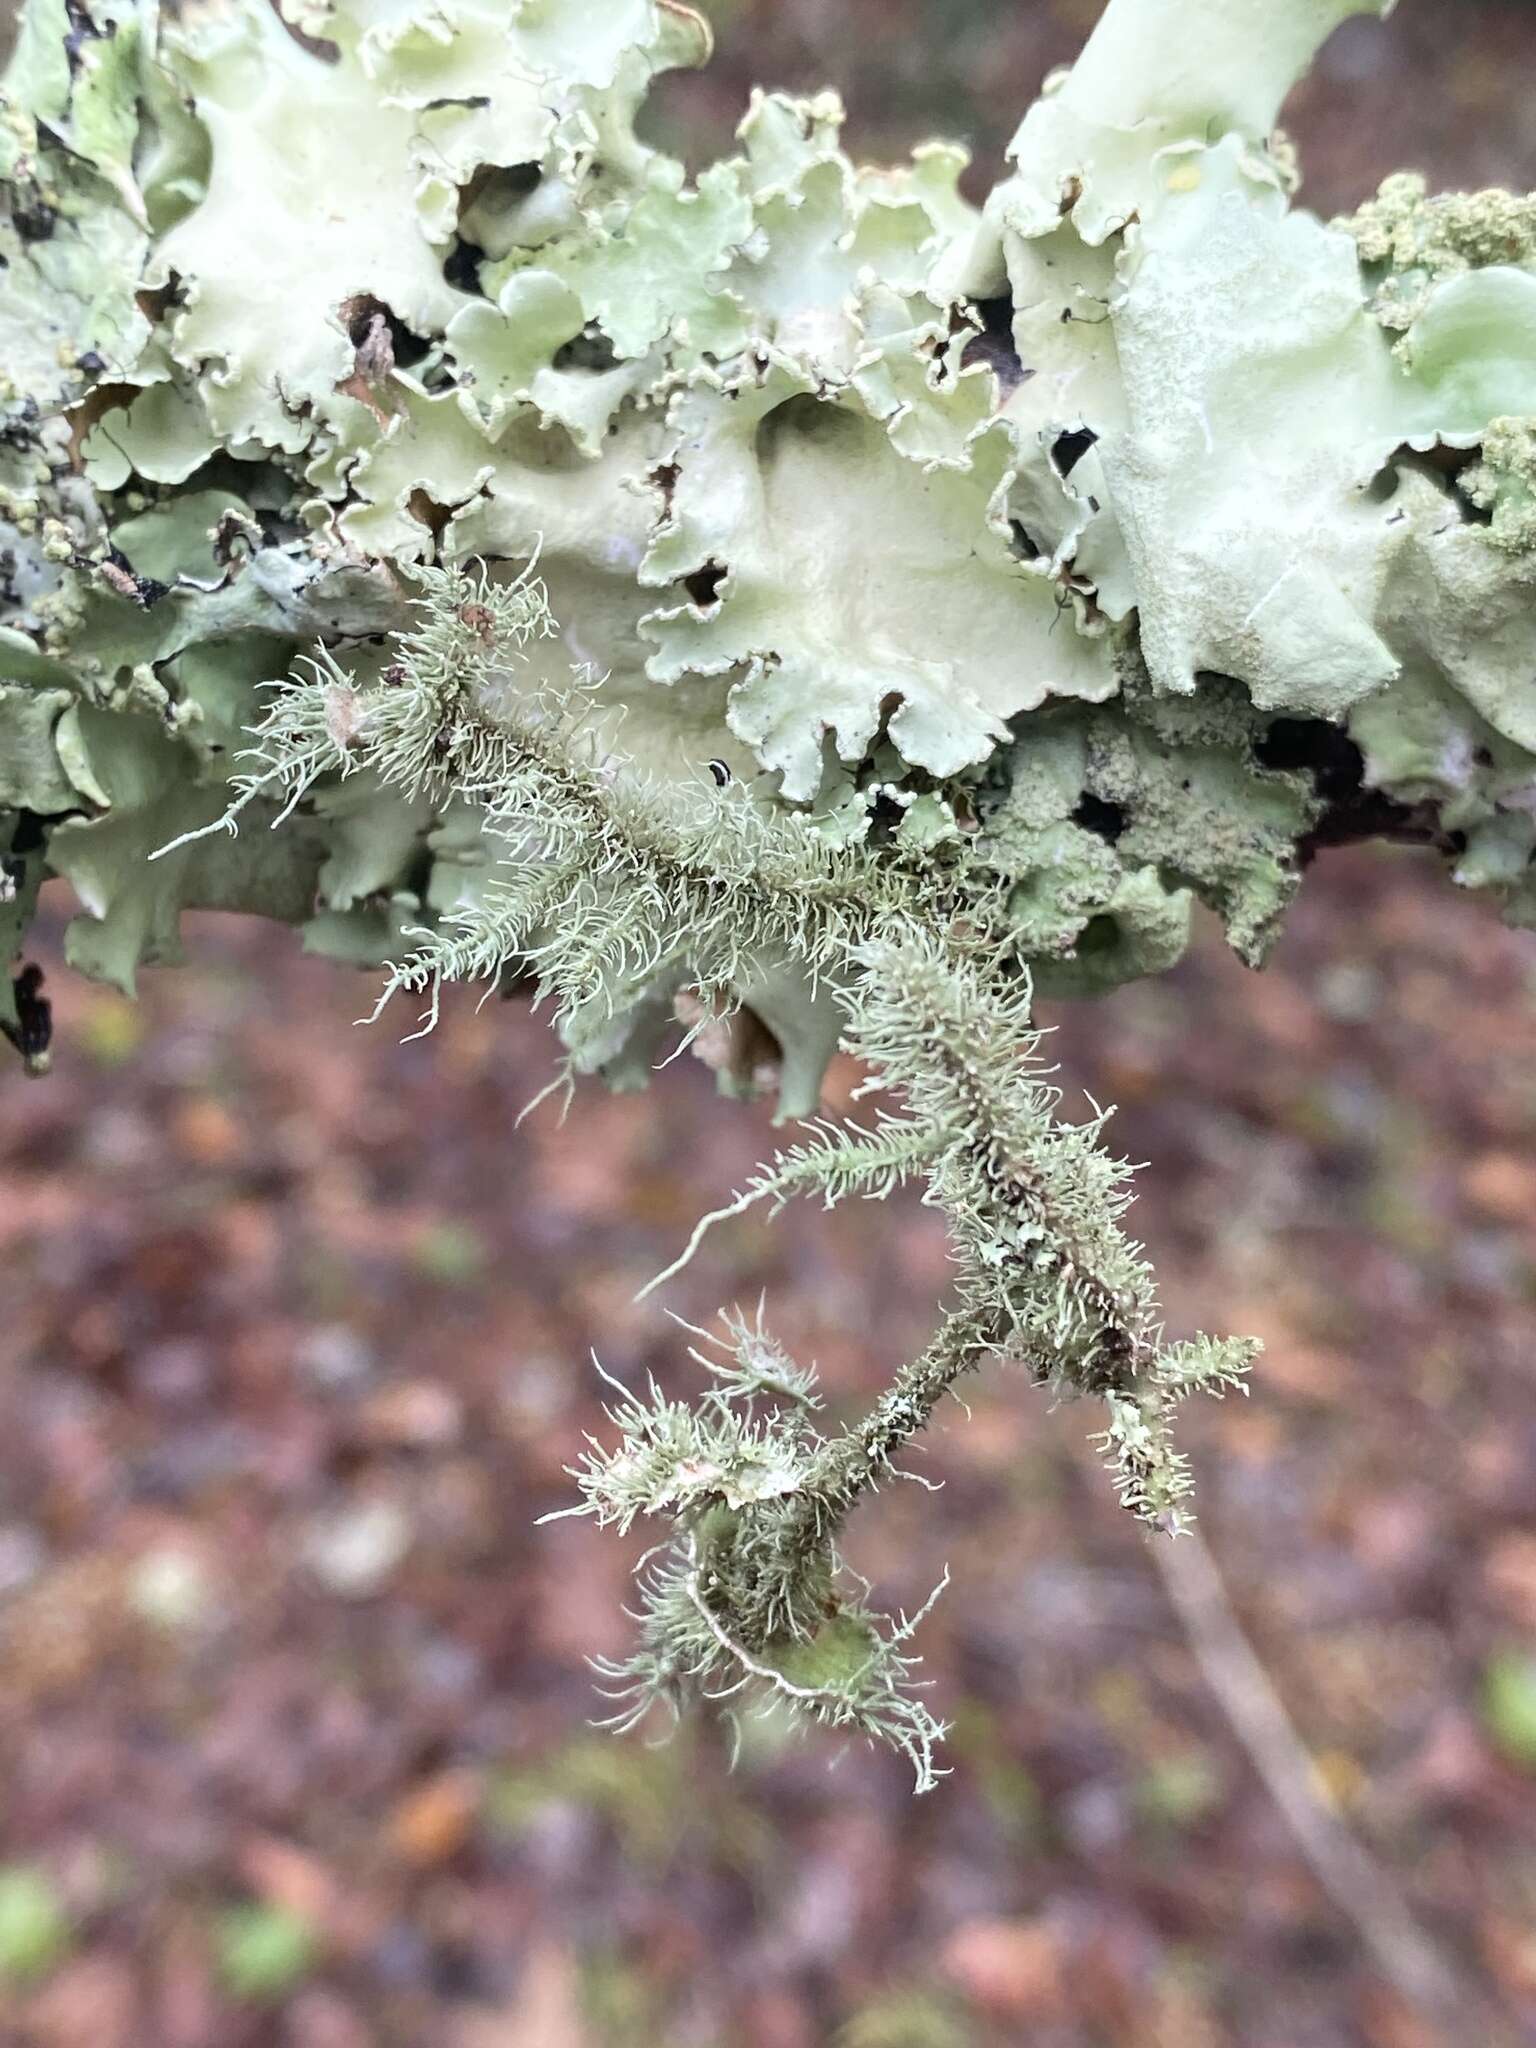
{"x": 232, "y": 534}
{"x": 140, "y": 590}
{"x": 480, "y": 620}
{"x": 376, "y": 352}
{"x": 120, "y": 580}
{"x": 664, "y": 477}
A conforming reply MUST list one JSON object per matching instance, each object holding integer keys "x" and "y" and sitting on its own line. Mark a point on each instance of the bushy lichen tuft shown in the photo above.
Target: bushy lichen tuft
{"x": 1502, "y": 483}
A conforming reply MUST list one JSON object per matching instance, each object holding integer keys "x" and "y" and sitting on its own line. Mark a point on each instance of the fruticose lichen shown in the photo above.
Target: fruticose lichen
{"x": 788, "y": 605}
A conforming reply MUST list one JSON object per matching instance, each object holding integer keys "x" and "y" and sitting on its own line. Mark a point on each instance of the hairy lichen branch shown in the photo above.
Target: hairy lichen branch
{"x": 604, "y": 878}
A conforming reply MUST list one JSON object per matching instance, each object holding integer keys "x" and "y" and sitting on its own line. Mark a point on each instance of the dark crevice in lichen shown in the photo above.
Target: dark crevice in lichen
{"x": 461, "y": 266}
{"x": 1352, "y": 812}
{"x": 994, "y": 345}
{"x": 1445, "y": 467}
{"x": 364, "y": 315}
{"x": 29, "y": 834}
{"x": 32, "y": 1033}
{"x": 1313, "y": 745}
{"x": 1100, "y": 936}
{"x": 1096, "y": 814}
{"x": 703, "y": 585}
{"x": 485, "y": 223}
{"x": 1068, "y": 450}
{"x": 589, "y": 350}
{"x": 30, "y": 217}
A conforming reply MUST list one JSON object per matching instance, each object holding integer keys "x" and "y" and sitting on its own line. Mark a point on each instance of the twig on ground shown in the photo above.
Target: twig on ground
{"x": 1400, "y": 1948}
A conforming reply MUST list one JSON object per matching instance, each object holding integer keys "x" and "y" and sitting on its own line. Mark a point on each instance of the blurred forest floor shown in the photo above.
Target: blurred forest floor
{"x": 293, "y": 1331}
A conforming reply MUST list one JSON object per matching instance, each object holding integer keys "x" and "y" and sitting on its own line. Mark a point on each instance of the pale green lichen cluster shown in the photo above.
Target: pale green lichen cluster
{"x": 999, "y": 580}
{"x": 924, "y": 520}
